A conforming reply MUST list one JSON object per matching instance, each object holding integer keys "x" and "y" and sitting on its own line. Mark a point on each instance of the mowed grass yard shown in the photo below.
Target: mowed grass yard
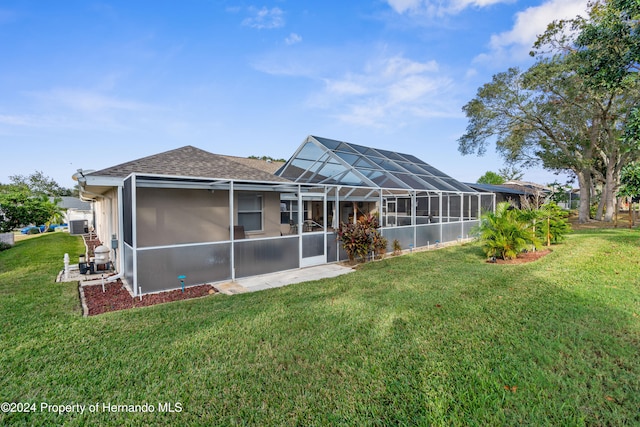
{"x": 431, "y": 338}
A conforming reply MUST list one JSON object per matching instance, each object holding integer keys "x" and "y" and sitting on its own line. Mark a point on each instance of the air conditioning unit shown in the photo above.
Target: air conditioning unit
{"x": 78, "y": 226}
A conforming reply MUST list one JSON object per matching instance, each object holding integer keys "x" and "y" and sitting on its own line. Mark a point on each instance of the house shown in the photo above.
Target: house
{"x": 503, "y": 194}
{"x": 517, "y": 192}
{"x": 74, "y": 209}
{"x": 209, "y": 217}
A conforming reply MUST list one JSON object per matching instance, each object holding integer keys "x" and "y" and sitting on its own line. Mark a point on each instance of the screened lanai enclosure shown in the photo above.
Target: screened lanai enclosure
{"x": 417, "y": 204}
{"x": 212, "y": 230}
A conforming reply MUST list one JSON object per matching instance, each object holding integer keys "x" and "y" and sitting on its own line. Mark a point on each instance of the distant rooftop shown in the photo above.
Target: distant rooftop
{"x": 68, "y": 202}
{"x": 495, "y": 188}
{"x": 527, "y": 187}
{"x": 269, "y": 166}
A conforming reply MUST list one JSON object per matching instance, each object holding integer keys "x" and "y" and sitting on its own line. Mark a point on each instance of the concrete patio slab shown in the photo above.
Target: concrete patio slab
{"x": 230, "y": 288}
{"x": 284, "y": 278}
{"x": 73, "y": 275}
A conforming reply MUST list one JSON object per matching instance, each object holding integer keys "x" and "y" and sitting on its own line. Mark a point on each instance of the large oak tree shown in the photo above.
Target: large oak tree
{"x": 558, "y": 113}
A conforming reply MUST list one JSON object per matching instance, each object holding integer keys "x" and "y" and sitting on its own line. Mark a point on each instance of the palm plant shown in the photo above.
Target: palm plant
{"x": 504, "y": 234}
{"x": 554, "y": 224}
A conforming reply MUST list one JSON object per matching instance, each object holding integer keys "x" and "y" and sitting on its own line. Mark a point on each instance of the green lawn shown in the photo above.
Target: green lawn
{"x": 431, "y": 338}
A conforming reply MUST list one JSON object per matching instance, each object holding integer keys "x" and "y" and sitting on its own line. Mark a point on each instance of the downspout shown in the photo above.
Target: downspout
{"x": 300, "y": 224}
{"x": 232, "y": 254}
{"x": 120, "y": 239}
{"x": 324, "y": 222}
{"x": 115, "y": 277}
{"x": 461, "y": 216}
{"x": 134, "y": 234}
{"x": 381, "y": 218}
{"x": 441, "y": 216}
{"x": 337, "y": 221}
{"x": 414, "y": 207}
{"x": 121, "y": 228}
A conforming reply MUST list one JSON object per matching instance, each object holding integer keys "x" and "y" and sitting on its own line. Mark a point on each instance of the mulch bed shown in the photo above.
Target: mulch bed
{"x": 92, "y": 242}
{"x": 524, "y": 257}
{"x": 117, "y": 297}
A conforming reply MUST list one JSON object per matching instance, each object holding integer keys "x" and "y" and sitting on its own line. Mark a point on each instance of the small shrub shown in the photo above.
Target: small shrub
{"x": 4, "y": 246}
{"x": 397, "y": 247}
{"x": 553, "y": 226}
{"x": 504, "y": 234}
{"x": 380, "y": 245}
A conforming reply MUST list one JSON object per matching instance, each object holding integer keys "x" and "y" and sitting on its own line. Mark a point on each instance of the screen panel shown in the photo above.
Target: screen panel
{"x": 264, "y": 256}
{"x": 158, "y": 269}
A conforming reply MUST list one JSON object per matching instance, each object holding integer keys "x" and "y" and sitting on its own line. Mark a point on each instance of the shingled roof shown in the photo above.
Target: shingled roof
{"x": 264, "y": 165}
{"x": 191, "y": 161}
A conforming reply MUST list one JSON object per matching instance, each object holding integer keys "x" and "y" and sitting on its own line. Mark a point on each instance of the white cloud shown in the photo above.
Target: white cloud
{"x": 383, "y": 92}
{"x": 293, "y": 38}
{"x": 282, "y": 65}
{"x": 265, "y": 18}
{"x": 399, "y": 67}
{"x": 363, "y": 115}
{"x": 57, "y": 121}
{"x": 64, "y": 108}
{"x": 402, "y": 6}
{"x": 461, "y": 4}
{"x": 388, "y": 92}
{"x": 438, "y": 7}
{"x": 88, "y": 101}
{"x": 529, "y": 23}
{"x": 411, "y": 89}
{"x": 345, "y": 87}
{"x": 309, "y": 63}
{"x": 18, "y": 120}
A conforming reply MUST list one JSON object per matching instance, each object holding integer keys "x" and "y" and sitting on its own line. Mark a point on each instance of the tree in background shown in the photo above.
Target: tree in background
{"x": 39, "y": 184}
{"x": 607, "y": 51}
{"x": 630, "y": 187}
{"x": 267, "y": 158}
{"x": 564, "y": 120}
{"x": 491, "y": 178}
{"x": 20, "y": 208}
{"x": 609, "y": 44}
{"x": 26, "y": 201}
{"x": 559, "y": 192}
{"x": 533, "y": 119}
{"x": 511, "y": 173}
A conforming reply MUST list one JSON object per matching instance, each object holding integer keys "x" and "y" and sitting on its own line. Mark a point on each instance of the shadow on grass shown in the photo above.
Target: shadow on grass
{"x": 436, "y": 338}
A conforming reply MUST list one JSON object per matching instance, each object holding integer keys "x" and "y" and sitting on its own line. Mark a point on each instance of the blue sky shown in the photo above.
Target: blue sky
{"x": 88, "y": 85}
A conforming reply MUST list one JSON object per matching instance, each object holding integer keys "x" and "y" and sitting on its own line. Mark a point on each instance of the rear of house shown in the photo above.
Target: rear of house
{"x": 212, "y": 218}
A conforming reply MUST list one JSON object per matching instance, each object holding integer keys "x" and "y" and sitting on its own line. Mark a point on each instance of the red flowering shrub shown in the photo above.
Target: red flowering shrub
{"x": 362, "y": 238}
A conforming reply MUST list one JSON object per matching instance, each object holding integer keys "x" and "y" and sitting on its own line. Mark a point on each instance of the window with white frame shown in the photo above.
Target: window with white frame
{"x": 250, "y": 209}
{"x": 288, "y": 212}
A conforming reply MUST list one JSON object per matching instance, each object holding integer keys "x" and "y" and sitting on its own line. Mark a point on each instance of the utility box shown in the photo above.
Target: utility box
{"x": 78, "y": 226}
